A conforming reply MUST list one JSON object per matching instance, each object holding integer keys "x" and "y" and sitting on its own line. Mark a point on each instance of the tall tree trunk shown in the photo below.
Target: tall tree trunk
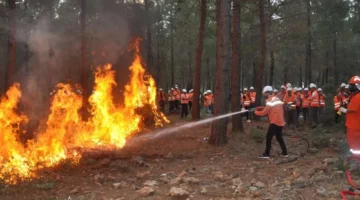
{"x": 208, "y": 81}
{"x": 190, "y": 70}
{"x": 219, "y": 127}
{"x": 286, "y": 71}
{"x": 236, "y": 63}
{"x": 271, "y": 49}
{"x": 27, "y": 50}
{"x": 335, "y": 60}
{"x": 148, "y": 37}
{"x": 158, "y": 64}
{"x": 260, "y": 71}
{"x": 300, "y": 75}
{"x": 308, "y": 46}
{"x": 172, "y": 44}
{"x": 83, "y": 46}
{"x": 11, "y": 43}
{"x": 197, "y": 67}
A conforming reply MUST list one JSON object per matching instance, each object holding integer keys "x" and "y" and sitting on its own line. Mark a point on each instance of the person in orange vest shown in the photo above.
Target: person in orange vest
{"x": 210, "y": 100}
{"x": 247, "y": 103}
{"x": 353, "y": 116}
{"x": 177, "y": 97}
{"x": 297, "y": 94}
{"x": 314, "y": 105}
{"x": 206, "y": 103}
{"x": 184, "y": 104}
{"x": 321, "y": 102}
{"x": 290, "y": 107}
{"x": 282, "y": 93}
{"x": 274, "y": 110}
{"x": 191, "y": 94}
{"x": 171, "y": 100}
{"x": 305, "y": 104}
{"x": 338, "y": 103}
{"x": 276, "y": 92}
{"x": 252, "y": 97}
{"x": 161, "y": 99}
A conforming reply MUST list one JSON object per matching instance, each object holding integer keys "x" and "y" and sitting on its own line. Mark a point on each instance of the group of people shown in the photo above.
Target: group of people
{"x": 297, "y": 101}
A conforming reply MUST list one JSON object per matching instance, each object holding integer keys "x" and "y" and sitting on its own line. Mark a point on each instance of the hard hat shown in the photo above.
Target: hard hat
{"x": 295, "y": 89}
{"x": 205, "y": 93}
{"x": 355, "y": 80}
{"x": 343, "y": 85}
{"x": 320, "y": 90}
{"x": 245, "y": 89}
{"x": 208, "y": 91}
{"x": 306, "y": 89}
{"x": 347, "y": 86}
{"x": 160, "y": 89}
{"x": 312, "y": 85}
{"x": 191, "y": 90}
{"x": 251, "y": 88}
{"x": 184, "y": 90}
{"x": 172, "y": 88}
{"x": 169, "y": 91}
{"x": 267, "y": 89}
{"x": 289, "y": 89}
{"x": 299, "y": 89}
{"x": 283, "y": 87}
{"x": 176, "y": 86}
{"x": 288, "y": 85}
{"x": 275, "y": 90}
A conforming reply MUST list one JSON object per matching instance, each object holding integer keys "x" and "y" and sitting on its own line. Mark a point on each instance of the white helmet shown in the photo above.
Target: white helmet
{"x": 275, "y": 90}
{"x": 288, "y": 85}
{"x": 295, "y": 89}
{"x": 283, "y": 87}
{"x": 347, "y": 86}
{"x": 312, "y": 85}
{"x": 160, "y": 89}
{"x": 299, "y": 89}
{"x": 169, "y": 91}
{"x": 205, "y": 93}
{"x": 267, "y": 89}
{"x": 172, "y": 88}
{"x": 343, "y": 85}
{"x": 251, "y": 88}
{"x": 208, "y": 91}
{"x": 306, "y": 89}
{"x": 320, "y": 90}
{"x": 184, "y": 90}
{"x": 245, "y": 89}
{"x": 191, "y": 90}
{"x": 289, "y": 89}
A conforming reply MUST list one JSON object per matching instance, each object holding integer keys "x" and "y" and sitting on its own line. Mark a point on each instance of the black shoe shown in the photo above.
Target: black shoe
{"x": 285, "y": 155}
{"x": 264, "y": 156}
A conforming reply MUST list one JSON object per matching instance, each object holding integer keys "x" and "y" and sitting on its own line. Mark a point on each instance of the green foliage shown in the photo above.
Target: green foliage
{"x": 256, "y": 134}
{"x": 319, "y": 138}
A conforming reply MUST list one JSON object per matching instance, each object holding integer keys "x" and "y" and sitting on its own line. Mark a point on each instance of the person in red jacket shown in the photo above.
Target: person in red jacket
{"x": 274, "y": 110}
{"x": 184, "y": 98}
{"x": 338, "y": 103}
{"x": 353, "y": 116}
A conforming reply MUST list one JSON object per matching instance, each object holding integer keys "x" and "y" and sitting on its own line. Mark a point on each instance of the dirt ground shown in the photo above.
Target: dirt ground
{"x": 183, "y": 165}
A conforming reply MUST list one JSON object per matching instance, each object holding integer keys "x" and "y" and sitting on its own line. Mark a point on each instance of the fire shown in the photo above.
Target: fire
{"x": 66, "y": 132}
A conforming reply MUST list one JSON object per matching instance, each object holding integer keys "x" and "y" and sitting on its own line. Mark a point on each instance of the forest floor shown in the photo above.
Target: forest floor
{"x": 184, "y": 166}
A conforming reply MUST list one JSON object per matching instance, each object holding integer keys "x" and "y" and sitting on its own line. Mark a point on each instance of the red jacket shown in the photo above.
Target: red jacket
{"x": 274, "y": 109}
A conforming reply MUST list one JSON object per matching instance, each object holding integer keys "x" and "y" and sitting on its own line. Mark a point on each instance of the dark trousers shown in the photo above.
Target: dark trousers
{"x": 171, "y": 106}
{"x": 177, "y": 104}
{"x": 291, "y": 118}
{"x": 314, "y": 114}
{"x": 337, "y": 117}
{"x": 184, "y": 110}
{"x": 251, "y": 114}
{"x": 277, "y": 131}
{"x": 305, "y": 112}
{"x": 247, "y": 113}
{"x": 190, "y": 105}
{"x": 162, "y": 105}
{"x": 298, "y": 110}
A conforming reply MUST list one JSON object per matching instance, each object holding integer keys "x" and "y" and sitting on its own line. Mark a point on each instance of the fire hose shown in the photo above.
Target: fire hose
{"x": 351, "y": 191}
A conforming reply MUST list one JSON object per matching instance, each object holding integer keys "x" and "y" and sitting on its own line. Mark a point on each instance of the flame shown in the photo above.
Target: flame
{"x": 108, "y": 126}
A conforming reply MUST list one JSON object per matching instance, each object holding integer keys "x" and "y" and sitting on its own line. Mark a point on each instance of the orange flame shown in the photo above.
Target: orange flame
{"x": 108, "y": 126}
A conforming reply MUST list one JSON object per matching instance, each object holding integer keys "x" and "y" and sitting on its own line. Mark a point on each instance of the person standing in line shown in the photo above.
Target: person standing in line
{"x": 161, "y": 99}
{"x": 321, "y": 103}
{"x": 298, "y": 103}
{"x": 171, "y": 99}
{"x": 247, "y": 102}
{"x": 282, "y": 93}
{"x": 191, "y": 94}
{"x": 338, "y": 103}
{"x": 253, "y": 99}
{"x": 305, "y": 103}
{"x": 184, "y": 104}
{"x": 314, "y": 105}
{"x": 274, "y": 110}
{"x": 290, "y": 107}
{"x": 177, "y": 95}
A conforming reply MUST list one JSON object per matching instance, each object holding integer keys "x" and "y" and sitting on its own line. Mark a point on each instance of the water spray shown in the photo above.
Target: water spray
{"x": 167, "y": 131}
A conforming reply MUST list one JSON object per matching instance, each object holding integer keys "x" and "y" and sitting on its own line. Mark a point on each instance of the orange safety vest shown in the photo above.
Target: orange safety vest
{"x": 315, "y": 100}
{"x": 298, "y": 99}
{"x": 160, "y": 96}
{"x": 322, "y": 100}
{"x": 210, "y": 99}
{"x": 177, "y": 94}
{"x": 337, "y": 103}
{"x": 253, "y": 97}
{"x": 184, "y": 98}
{"x": 305, "y": 102}
{"x": 173, "y": 95}
{"x": 247, "y": 100}
{"x": 290, "y": 101}
{"x": 190, "y": 95}
{"x": 169, "y": 96}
